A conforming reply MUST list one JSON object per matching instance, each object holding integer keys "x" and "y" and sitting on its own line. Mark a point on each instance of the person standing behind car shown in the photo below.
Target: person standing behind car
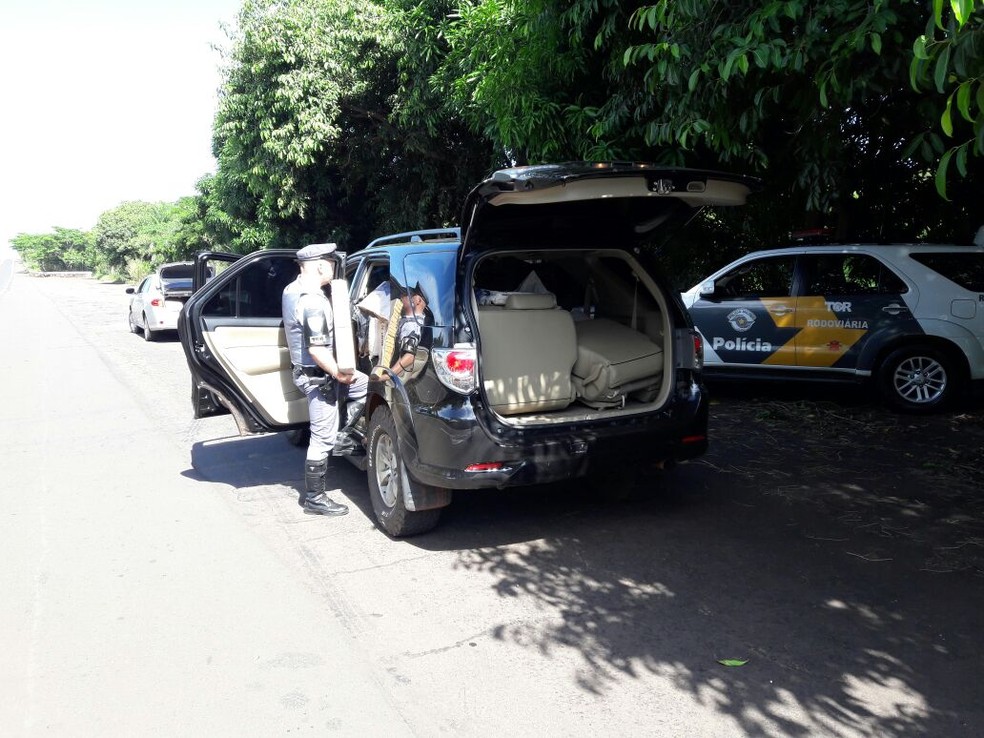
{"x": 308, "y": 325}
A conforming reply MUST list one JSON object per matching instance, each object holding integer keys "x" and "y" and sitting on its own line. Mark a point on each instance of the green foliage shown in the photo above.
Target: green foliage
{"x": 292, "y": 63}
{"x": 65, "y": 250}
{"x": 313, "y": 138}
{"x": 766, "y": 85}
{"x": 507, "y": 69}
{"x": 949, "y": 59}
{"x": 342, "y": 119}
{"x": 137, "y": 232}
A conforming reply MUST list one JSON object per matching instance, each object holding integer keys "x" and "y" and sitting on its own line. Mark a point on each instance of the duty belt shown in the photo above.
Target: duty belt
{"x": 310, "y": 371}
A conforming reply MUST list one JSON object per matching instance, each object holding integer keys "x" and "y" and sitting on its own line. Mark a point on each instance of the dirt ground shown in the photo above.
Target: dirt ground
{"x": 888, "y": 486}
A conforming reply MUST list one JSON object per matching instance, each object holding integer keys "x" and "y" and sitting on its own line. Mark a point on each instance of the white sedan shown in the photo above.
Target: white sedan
{"x": 156, "y": 302}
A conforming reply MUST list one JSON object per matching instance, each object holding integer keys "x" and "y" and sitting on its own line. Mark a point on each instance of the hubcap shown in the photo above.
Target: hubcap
{"x": 387, "y": 478}
{"x": 920, "y": 380}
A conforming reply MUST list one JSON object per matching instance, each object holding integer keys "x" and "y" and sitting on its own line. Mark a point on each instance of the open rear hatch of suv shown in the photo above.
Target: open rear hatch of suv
{"x": 571, "y": 326}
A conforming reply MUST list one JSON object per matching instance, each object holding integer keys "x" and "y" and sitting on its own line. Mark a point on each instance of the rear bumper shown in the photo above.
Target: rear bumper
{"x": 476, "y": 461}
{"x": 163, "y": 318}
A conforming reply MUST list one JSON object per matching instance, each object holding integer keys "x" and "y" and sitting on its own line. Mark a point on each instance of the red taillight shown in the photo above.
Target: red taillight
{"x": 693, "y": 439}
{"x": 698, "y": 351}
{"x": 485, "y": 466}
{"x": 461, "y": 362}
{"x": 157, "y": 302}
{"x": 457, "y": 368}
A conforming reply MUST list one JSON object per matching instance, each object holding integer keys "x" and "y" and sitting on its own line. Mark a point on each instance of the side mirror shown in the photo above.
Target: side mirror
{"x": 129, "y": 290}
{"x": 707, "y": 288}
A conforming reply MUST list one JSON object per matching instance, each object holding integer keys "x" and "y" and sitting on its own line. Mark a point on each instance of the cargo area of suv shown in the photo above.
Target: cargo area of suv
{"x": 570, "y": 336}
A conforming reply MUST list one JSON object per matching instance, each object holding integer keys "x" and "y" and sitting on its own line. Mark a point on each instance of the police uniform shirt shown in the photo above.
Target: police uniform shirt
{"x": 307, "y": 322}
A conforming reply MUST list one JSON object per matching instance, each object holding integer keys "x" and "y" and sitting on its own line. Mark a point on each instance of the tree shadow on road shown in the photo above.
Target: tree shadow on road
{"x": 798, "y": 544}
{"x": 268, "y": 460}
{"x": 801, "y": 544}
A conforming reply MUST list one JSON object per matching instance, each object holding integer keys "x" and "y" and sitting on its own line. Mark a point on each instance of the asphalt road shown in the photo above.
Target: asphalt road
{"x": 159, "y": 578}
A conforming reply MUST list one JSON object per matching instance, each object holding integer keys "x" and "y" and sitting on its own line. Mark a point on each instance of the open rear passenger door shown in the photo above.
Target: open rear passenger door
{"x": 233, "y": 337}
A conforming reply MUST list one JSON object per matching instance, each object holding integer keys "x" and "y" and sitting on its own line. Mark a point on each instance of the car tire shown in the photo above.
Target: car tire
{"x": 918, "y": 379}
{"x": 134, "y": 328}
{"x": 388, "y": 481}
{"x": 148, "y": 334}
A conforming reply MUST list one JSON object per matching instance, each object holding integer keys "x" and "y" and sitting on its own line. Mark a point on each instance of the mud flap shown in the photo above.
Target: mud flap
{"x": 417, "y": 497}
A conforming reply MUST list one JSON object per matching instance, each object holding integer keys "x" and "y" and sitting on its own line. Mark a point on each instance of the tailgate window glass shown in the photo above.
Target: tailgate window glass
{"x": 966, "y": 270}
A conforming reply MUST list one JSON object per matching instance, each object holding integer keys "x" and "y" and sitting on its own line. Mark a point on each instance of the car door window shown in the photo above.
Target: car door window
{"x": 256, "y": 292}
{"x": 373, "y": 307}
{"x": 433, "y": 275}
{"x": 772, "y": 277}
{"x": 849, "y": 274}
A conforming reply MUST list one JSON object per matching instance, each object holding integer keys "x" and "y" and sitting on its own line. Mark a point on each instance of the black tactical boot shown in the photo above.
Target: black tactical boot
{"x": 345, "y": 443}
{"x": 314, "y": 500}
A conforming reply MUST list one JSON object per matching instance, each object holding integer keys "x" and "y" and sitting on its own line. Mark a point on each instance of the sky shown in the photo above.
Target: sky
{"x": 103, "y": 102}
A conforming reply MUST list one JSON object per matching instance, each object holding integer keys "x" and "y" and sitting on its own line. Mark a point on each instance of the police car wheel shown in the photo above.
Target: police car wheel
{"x": 917, "y": 379}
{"x": 388, "y": 481}
{"x": 134, "y": 328}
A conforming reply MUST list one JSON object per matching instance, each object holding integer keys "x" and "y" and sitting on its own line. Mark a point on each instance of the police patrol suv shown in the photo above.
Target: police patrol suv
{"x": 909, "y": 318}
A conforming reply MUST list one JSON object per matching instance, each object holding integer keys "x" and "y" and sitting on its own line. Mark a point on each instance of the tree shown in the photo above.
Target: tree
{"x": 66, "y": 249}
{"x": 279, "y": 119}
{"x": 504, "y": 68}
{"x": 313, "y": 137}
{"x": 812, "y": 95}
{"x": 343, "y": 118}
{"x": 949, "y": 58}
{"x": 135, "y": 236}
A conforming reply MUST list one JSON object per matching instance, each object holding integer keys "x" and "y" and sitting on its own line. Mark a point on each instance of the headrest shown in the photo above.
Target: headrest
{"x": 531, "y": 301}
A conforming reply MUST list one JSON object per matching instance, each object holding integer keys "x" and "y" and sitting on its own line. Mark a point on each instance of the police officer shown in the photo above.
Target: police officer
{"x": 308, "y": 324}
{"x": 409, "y": 336}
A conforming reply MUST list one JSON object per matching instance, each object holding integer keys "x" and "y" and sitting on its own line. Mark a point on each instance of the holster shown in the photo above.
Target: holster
{"x": 316, "y": 376}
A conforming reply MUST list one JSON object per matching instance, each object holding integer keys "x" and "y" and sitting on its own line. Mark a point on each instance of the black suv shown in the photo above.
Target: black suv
{"x": 547, "y": 349}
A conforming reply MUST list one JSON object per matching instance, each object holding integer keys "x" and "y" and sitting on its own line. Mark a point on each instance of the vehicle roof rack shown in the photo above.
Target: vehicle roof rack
{"x": 430, "y": 234}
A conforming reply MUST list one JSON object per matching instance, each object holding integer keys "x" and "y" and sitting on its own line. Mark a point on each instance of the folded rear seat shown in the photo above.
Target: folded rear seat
{"x": 612, "y": 361}
{"x": 528, "y": 350}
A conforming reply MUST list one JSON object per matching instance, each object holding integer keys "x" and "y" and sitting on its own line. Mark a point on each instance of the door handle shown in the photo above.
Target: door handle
{"x": 894, "y": 309}
{"x": 780, "y": 310}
